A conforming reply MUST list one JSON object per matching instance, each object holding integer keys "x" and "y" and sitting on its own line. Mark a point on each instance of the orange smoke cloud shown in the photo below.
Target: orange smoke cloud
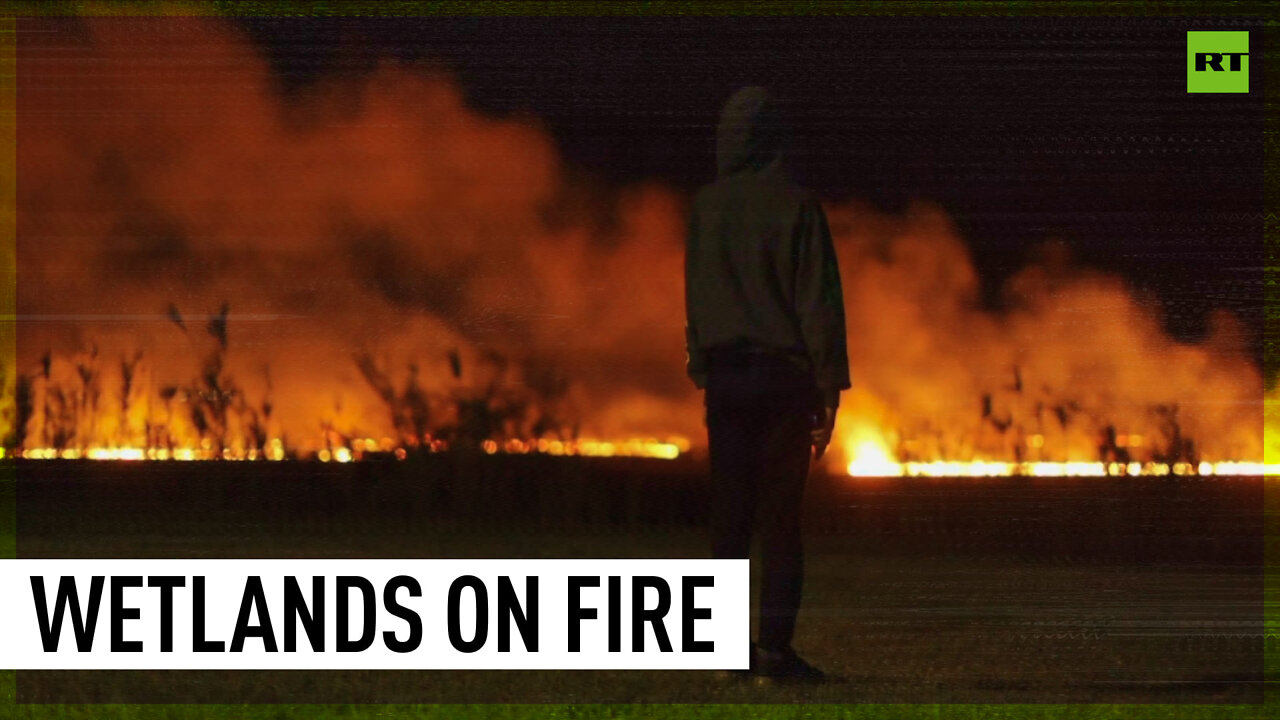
{"x": 380, "y": 217}
{"x": 1076, "y": 363}
{"x": 379, "y": 230}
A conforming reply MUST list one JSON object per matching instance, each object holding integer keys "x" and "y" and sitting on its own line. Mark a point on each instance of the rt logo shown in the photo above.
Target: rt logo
{"x": 1217, "y": 62}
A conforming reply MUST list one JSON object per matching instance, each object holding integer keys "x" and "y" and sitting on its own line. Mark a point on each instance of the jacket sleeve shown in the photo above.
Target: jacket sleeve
{"x": 695, "y": 354}
{"x": 820, "y": 302}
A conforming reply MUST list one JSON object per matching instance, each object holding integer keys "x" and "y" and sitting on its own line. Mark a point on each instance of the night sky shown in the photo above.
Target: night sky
{"x": 1078, "y": 131}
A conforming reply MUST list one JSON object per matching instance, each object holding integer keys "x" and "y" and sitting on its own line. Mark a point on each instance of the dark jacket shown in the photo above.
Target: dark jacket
{"x": 760, "y": 268}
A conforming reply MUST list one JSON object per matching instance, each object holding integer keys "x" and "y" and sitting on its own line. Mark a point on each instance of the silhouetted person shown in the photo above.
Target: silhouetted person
{"x": 766, "y": 340}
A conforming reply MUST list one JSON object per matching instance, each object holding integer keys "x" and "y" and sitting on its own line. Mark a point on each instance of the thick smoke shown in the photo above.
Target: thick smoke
{"x": 1076, "y": 368}
{"x": 376, "y": 219}
{"x": 389, "y": 257}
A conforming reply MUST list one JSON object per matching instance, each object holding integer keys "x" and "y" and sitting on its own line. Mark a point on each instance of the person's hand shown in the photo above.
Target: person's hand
{"x": 821, "y": 433}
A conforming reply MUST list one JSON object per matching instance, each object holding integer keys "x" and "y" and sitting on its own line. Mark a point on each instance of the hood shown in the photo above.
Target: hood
{"x": 750, "y": 134}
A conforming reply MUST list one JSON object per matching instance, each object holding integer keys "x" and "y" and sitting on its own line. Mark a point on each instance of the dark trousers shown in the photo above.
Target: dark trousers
{"x": 759, "y": 414}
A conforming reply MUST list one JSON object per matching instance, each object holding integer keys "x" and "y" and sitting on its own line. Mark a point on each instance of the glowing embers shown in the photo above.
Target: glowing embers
{"x": 878, "y": 464}
{"x": 367, "y": 448}
{"x": 634, "y": 447}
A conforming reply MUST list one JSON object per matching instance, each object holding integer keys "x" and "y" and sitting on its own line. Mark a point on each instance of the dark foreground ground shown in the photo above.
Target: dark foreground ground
{"x": 917, "y": 591}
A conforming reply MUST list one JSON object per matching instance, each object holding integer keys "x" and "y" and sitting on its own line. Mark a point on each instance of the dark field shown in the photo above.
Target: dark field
{"x": 1090, "y": 590}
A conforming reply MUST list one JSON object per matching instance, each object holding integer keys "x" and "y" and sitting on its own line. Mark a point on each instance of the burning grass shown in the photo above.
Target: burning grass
{"x": 69, "y": 411}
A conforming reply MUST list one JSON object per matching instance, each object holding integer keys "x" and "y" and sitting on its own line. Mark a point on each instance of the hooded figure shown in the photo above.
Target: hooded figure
{"x": 760, "y": 269}
{"x": 766, "y": 340}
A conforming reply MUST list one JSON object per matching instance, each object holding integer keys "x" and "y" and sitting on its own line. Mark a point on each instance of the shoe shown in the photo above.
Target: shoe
{"x": 785, "y": 666}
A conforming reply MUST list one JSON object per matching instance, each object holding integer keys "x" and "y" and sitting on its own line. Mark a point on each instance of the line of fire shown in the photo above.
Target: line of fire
{"x": 96, "y": 406}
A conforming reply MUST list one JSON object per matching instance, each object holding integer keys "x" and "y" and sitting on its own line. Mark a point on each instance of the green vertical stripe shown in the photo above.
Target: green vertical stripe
{"x": 8, "y": 298}
{"x": 1271, "y": 333}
